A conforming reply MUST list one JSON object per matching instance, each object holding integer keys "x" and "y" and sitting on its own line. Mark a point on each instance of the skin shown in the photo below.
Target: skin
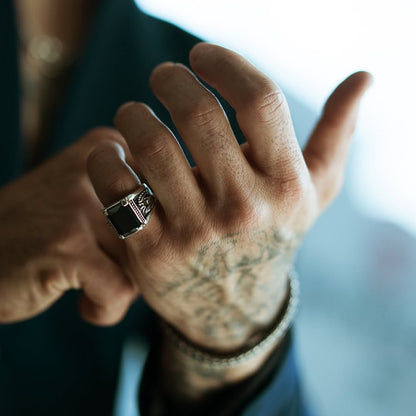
{"x": 213, "y": 260}
{"x": 52, "y": 240}
{"x": 67, "y": 20}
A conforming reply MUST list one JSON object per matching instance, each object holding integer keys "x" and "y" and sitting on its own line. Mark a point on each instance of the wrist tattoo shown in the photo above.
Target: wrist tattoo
{"x": 235, "y": 283}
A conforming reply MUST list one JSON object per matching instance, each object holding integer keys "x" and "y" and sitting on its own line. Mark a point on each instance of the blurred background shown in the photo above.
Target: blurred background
{"x": 356, "y": 330}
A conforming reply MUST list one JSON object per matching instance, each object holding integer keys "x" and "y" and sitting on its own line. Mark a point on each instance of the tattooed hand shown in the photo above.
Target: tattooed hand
{"x": 214, "y": 257}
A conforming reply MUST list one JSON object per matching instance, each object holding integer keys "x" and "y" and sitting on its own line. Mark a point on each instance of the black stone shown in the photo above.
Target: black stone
{"x": 123, "y": 219}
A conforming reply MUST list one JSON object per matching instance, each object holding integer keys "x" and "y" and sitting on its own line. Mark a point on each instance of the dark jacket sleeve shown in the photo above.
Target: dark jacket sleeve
{"x": 282, "y": 395}
{"x": 274, "y": 390}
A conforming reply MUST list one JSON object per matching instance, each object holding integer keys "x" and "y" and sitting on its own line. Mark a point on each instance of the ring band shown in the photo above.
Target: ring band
{"x": 131, "y": 213}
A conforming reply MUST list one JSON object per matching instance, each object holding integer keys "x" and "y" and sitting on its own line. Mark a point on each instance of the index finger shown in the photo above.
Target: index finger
{"x": 261, "y": 108}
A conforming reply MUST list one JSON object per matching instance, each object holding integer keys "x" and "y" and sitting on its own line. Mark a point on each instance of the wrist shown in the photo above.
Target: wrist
{"x": 258, "y": 345}
{"x": 201, "y": 372}
{"x": 240, "y": 315}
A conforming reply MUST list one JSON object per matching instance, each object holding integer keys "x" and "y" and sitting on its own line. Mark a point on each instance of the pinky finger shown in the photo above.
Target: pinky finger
{"x": 327, "y": 149}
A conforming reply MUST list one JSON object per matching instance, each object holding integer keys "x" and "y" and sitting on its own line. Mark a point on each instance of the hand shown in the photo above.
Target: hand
{"x": 214, "y": 258}
{"x": 53, "y": 239}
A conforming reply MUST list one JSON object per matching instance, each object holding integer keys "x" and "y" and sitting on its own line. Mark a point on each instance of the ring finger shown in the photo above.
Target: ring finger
{"x": 162, "y": 162}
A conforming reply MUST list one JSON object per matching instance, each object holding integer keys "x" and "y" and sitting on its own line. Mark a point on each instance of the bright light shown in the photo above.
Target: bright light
{"x": 309, "y": 46}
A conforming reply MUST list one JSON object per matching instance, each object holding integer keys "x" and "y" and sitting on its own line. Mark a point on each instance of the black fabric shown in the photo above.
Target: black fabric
{"x": 10, "y": 151}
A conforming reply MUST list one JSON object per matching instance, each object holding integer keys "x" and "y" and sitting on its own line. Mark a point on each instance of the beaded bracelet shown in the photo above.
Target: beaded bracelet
{"x": 227, "y": 361}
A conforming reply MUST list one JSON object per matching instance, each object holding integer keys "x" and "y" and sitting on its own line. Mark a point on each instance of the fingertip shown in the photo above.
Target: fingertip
{"x": 364, "y": 80}
{"x": 367, "y": 76}
{"x": 367, "y": 79}
{"x": 101, "y": 157}
{"x": 125, "y": 105}
{"x": 200, "y": 52}
{"x": 199, "y": 49}
{"x": 160, "y": 71}
{"x": 130, "y": 111}
{"x": 122, "y": 110}
{"x": 343, "y": 104}
{"x": 356, "y": 84}
{"x": 361, "y": 75}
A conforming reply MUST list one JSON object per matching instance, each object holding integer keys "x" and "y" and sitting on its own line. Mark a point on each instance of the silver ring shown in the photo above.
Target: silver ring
{"x": 131, "y": 213}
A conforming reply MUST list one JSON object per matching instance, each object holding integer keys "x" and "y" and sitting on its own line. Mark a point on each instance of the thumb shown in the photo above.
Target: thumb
{"x": 107, "y": 292}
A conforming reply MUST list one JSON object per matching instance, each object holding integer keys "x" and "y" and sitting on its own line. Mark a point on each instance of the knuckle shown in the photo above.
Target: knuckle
{"x": 98, "y": 153}
{"x": 244, "y": 216}
{"x": 244, "y": 211}
{"x": 251, "y": 215}
{"x": 214, "y": 140}
{"x": 100, "y": 135}
{"x": 156, "y": 153}
{"x": 99, "y": 159}
{"x": 203, "y": 113}
{"x": 128, "y": 111}
{"x": 53, "y": 282}
{"x": 293, "y": 188}
{"x": 67, "y": 244}
{"x": 153, "y": 145}
{"x": 78, "y": 154}
{"x": 119, "y": 185}
{"x": 265, "y": 102}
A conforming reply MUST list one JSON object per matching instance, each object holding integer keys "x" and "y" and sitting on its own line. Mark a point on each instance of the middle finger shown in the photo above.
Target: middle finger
{"x": 204, "y": 127}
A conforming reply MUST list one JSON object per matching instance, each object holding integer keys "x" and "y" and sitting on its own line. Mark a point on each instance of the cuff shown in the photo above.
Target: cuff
{"x": 273, "y": 390}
